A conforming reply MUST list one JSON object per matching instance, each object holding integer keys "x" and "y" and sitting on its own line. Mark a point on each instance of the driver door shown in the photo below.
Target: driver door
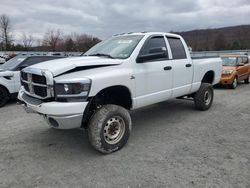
{"x": 153, "y": 76}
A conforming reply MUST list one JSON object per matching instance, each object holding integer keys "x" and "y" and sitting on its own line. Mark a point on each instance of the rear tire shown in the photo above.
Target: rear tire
{"x": 109, "y": 128}
{"x": 203, "y": 98}
{"x": 4, "y": 96}
{"x": 234, "y": 84}
{"x": 246, "y": 80}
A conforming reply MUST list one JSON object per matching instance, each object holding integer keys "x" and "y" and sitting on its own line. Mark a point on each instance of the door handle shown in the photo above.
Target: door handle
{"x": 167, "y": 68}
{"x": 189, "y": 65}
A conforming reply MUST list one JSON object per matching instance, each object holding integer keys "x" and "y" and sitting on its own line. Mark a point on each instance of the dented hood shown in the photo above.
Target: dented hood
{"x": 60, "y": 66}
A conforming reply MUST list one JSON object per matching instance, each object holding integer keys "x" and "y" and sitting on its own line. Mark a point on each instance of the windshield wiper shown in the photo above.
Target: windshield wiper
{"x": 99, "y": 55}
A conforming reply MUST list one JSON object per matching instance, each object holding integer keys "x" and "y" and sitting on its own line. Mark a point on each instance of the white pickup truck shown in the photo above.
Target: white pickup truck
{"x": 126, "y": 72}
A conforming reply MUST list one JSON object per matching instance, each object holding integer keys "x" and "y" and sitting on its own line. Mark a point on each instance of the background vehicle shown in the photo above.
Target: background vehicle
{"x": 236, "y": 68}
{"x": 10, "y": 75}
{"x": 2, "y": 60}
{"x": 123, "y": 73}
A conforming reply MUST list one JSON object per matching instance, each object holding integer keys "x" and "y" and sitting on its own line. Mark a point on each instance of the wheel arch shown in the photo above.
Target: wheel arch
{"x": 116, "y": 94}
{"x": 208, "y": 77}
{"x": 5, "y": 88}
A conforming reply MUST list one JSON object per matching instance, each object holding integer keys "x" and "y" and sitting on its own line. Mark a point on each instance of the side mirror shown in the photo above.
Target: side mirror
{"x": 154, "y": 53}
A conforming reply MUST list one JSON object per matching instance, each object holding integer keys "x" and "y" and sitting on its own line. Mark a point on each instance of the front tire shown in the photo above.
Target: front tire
{"x": 203, "y": 98}
{"x": 4, "y": 96}
{"x": 109, "y": 128}
{"x": 234, "y": 84}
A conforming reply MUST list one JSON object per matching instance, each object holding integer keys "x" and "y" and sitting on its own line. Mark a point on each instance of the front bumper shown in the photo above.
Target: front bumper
{"x": 60, "y": 115}
{"x": 227, "y": 80}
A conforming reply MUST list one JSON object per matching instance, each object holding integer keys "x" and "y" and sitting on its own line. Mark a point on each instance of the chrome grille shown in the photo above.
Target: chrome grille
{"x": 39, "y": 79}
{"x": 35, "y": 85}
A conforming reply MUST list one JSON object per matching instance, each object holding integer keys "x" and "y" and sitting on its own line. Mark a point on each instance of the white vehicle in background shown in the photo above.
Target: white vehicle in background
{"x": 123, "y": 73}
{"x": 2, "y": 60}
{"x": 10, "y": 74}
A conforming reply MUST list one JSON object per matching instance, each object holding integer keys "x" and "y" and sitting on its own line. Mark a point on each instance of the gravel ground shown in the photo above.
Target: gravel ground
{"x": 172, "y": 145}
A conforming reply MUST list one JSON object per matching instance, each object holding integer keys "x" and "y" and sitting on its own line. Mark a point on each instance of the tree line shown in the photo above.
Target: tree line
{"x": 227, "y": 38}
{"x": 53, "y": 40}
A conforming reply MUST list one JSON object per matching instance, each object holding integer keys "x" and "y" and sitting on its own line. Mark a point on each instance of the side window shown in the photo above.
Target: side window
{"x": 239, "y": 60}
{"x": 245, "y": 60}
{"x": 177, "y": 48}
{"x": 153, "y": 45}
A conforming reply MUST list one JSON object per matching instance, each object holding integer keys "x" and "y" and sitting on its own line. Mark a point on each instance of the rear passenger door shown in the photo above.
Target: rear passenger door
{"x": 182, "y": 67}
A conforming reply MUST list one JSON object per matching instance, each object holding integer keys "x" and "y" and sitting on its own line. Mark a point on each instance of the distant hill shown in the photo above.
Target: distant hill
{"x": 227, "y": 38}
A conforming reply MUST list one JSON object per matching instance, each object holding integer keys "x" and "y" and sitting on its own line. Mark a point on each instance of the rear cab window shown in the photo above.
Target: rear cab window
{"x": 177, "y": 48}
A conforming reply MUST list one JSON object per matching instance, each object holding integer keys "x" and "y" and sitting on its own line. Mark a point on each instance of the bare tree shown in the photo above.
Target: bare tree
{"x": 69, "y": 44}
{"x": 6, "y": 37}
{"x": 54, "y": 40}
{"x": 27, "y": 41}
{"x": 84, "y": 42}
{"x": 51, "y": 39}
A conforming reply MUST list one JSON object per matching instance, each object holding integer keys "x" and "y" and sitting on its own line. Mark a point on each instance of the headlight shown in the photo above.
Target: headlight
{"x": 227, "y": 72}
{"x": 72, "y": 88}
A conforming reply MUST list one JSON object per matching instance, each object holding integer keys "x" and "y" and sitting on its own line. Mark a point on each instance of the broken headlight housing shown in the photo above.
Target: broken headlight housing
{"x": 72, "y": 90}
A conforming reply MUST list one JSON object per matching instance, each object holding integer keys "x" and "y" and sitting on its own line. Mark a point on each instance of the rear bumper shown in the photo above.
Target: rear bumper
{"x": 60, "y": 115}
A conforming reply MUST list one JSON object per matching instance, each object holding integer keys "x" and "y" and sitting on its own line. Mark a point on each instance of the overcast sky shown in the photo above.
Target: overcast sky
{"x": 103, "y": 18}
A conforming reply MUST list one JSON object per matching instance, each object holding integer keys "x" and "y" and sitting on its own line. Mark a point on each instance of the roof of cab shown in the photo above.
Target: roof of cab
{"x": 149, "y": 33}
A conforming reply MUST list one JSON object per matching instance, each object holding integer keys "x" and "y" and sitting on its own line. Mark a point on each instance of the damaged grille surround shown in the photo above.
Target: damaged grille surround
{"x": 37, "y": 83}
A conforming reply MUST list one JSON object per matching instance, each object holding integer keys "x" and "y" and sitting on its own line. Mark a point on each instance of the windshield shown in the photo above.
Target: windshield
{"x": 229, "y": 61}
{"x": 120, "y": 47}
{"x": 12, "y": 63}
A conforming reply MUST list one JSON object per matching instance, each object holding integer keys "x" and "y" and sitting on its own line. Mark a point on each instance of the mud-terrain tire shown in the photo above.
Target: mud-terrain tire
{"x": 4, "y": 96}
{"x": 246, "y": 80}
{"x": 109, "y": 128}
{"x": 203, "y": 98}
